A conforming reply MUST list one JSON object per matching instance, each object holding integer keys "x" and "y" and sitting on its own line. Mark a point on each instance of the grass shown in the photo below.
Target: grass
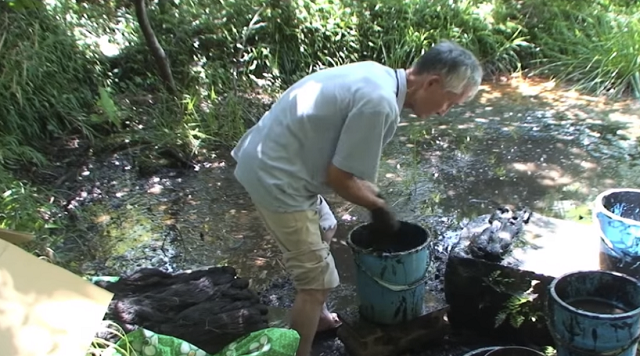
{"x": 594, "y": 48}
{"x": 47, "y": 84}
{"x": 101, "y": 347}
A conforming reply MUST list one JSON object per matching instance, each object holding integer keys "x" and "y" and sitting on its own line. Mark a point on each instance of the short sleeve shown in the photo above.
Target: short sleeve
{"x": 360, "y": 144}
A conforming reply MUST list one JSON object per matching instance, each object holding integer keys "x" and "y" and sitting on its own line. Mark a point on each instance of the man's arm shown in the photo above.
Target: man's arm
{"x": 353, "y": 189}
{"x": 357, "y": 157}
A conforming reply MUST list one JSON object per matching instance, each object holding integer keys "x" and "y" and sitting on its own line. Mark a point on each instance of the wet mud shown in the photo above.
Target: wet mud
{"x": 408, "y": 237}
{"x": 521, "y": 142}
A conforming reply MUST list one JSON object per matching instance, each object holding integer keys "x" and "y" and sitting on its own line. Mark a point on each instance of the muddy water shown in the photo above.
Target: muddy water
{"x": 521, "y": 142}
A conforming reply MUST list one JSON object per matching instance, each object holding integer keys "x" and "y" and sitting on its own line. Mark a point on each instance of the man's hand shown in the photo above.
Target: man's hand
{"x": 367, "y": 195}
{"x": 384, "y": 223}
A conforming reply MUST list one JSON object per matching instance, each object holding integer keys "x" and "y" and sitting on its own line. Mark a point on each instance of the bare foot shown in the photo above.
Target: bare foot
{"x": 328, "y": 321}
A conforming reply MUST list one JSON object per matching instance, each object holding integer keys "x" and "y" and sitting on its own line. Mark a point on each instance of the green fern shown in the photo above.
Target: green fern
{"x": 109, "y": 108}
{"x": 518, "y": 309}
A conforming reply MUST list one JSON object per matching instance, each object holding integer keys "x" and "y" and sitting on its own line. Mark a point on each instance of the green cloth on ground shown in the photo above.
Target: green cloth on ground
{"x": 266, "y": 342}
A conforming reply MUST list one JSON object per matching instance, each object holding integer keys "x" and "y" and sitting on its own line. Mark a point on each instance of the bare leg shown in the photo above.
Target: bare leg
{"x": 328, "y": 228}
{"x": 327, "y": 320}
{"x": 305, "y": 316}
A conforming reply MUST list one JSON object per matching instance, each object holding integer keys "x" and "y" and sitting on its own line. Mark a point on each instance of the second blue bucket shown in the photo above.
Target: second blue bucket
{"x": 594, "y": 313}
{"x": 616, "y": 213}
{"x": 391, "y": 286}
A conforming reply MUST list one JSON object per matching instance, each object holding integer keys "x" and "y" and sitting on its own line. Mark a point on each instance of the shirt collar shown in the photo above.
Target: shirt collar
{"x": 402, "y": 88}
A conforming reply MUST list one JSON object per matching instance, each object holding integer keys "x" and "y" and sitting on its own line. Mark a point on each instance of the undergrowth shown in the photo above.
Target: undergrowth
{"x": 92, "y": 75}
{"x": 592, "y": 45}
{"x": 78, "y": 68}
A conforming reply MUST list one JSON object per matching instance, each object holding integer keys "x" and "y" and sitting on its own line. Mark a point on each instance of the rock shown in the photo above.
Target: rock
{"x": 505, "y": 300}
{"x": 496, "y": 240}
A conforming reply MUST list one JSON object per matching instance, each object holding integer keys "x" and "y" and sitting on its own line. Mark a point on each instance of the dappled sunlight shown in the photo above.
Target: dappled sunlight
{"x": 559, "y": 99}
{"x": 533, "y": 87}
{"x": 523, "y": 141}
{"x": 102, "y": 219}
{"x": 547, "y": 175}
{"x": 393, "y": 176}
{"x": 155, "y": 189}
{"x": 486, "y": 96}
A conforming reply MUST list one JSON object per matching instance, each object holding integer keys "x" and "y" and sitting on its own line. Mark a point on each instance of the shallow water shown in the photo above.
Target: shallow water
{"x": 515, "y": 143}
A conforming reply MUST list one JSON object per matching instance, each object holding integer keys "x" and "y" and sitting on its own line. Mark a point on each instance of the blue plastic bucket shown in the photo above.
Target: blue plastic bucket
{"x": 617, "y": 215}
{"x": 391, "y": 286}
{"x": 594, "y": 313}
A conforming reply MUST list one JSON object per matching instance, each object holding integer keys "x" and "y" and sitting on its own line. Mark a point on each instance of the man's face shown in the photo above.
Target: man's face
{"x": 432, "y": 98}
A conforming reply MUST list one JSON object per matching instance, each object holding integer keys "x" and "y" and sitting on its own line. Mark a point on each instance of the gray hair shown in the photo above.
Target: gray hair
{"x": 458, "y": 67}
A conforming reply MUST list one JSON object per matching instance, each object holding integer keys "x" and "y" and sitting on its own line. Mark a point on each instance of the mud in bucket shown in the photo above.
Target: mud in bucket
{"x": 594, "y": 313}
{"x": 391, "y": 285}
{"x": 617, "y": 215}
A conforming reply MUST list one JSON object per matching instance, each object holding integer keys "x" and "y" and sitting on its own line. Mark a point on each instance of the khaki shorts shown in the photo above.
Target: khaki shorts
{"x": 306, "y": 257}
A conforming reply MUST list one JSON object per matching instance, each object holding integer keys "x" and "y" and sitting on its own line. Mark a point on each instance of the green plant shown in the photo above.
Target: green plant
{"x": 101, "y": 347}
{"x": 595, "y": 47}
{"x": 24, "y": 207}
{"x": 518, "y": 309}
{"x": 523, "y": 303}
{"x": 46, "y": 83}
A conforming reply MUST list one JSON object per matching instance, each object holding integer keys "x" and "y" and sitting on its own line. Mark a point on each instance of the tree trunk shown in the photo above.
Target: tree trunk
{"x": 156, "y": 50}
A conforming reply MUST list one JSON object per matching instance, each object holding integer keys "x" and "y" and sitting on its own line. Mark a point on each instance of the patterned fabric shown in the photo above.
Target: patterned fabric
{"x": 267, "y": 342}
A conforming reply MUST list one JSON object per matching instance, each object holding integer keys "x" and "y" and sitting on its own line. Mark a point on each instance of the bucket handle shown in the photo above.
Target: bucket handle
{"x": 394, "y": 287}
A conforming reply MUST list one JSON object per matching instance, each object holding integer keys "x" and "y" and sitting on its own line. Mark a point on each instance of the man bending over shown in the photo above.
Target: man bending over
{"x": 326, "y": 134}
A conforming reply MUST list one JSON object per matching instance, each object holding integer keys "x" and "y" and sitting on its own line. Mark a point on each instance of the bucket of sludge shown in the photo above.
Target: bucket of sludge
{"x": 594, "y": 313}
{"x": 617, "y": 215}
{"x": 391, "y": 285}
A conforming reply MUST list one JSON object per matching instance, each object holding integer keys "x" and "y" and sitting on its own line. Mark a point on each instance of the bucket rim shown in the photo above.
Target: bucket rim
{"x": 599, "y": 208}
{"x": 554, "y": 295}
{"x": 514, "y": 347}
{"x": 482, "y": 349}
{"x": 401, "y": 253}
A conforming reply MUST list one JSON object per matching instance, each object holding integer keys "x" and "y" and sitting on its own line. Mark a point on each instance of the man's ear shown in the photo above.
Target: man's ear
{"x": 432, "y": 81}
